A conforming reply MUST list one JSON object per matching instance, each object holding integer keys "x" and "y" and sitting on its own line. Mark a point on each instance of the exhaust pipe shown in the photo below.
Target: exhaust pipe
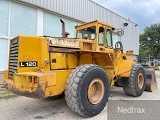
{"x": 63, "y": 28}
{"x": 64, "y": 33}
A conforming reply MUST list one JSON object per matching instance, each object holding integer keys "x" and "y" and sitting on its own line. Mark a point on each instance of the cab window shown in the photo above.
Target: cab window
{"x": 101, "y": 36}
{"x": 109, "y": 38}
{"x": 87, "y": 33}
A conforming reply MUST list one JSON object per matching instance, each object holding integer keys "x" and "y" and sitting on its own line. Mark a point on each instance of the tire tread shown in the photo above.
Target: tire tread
{"x": 130, "y": 88}
{"x": 71, "y": 90}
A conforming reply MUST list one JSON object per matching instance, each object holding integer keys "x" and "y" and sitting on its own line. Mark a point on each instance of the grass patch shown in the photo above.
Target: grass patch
{"x": 5, "y": 94}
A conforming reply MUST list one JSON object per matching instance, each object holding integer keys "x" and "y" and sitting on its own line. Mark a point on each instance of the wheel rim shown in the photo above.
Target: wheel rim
{"x": 95, "y": 91}
{"x": 140, "y": 80}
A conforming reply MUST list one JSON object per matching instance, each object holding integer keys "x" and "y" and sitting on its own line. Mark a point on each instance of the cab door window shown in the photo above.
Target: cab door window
{"x": 109, "y": 38}
{"x": 101, "y": 36}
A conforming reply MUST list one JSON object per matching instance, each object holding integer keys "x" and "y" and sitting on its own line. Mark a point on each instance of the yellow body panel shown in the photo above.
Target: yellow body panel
{"x": 125, "y": 68}
{"x": 40, "y": 66}
{"x": 72, "y": 61}
{"x": 61, "y": 78}
{"x": 58, "y": 60}
{"x": 85, "y": 58}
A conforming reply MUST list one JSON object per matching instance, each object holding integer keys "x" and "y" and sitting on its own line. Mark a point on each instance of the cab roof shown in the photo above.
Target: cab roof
{"x": 94, "y": 23}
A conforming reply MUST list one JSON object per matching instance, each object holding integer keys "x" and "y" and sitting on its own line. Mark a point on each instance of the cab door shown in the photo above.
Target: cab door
{"x": 101, "y": 41}
{"x": 108, "y": 38}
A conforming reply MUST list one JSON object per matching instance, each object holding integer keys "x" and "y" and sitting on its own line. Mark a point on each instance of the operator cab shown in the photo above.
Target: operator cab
{"x": 93, "y": 36}
{"x": 98, "y": 33}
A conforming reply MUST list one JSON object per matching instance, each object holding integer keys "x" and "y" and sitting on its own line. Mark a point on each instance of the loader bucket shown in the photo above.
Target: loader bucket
{"x": 151, "y": 83}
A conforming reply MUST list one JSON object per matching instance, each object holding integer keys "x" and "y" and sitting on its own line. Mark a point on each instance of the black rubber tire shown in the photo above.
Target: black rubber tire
{"x": 77, "y": 87}
{"x": 131, "y": 85}
{"x": 118, "y": 83}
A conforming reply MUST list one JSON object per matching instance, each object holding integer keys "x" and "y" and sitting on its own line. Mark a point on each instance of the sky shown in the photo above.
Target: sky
{"x": 142, "y": 12}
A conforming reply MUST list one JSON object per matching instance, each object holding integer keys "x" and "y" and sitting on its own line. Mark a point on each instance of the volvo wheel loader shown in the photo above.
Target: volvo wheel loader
{"x": 83, "y": 68}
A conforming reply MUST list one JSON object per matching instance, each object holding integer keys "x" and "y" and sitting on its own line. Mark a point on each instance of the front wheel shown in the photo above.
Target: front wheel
{"x": 87, "y": 90}
{"x": 135, "y": 84}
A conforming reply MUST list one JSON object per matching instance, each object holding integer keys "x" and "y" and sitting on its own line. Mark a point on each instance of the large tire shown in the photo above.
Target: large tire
{"x": 87, "y": 90}
{"x": 119, "y": 82}
{"x": 135, "y": 84}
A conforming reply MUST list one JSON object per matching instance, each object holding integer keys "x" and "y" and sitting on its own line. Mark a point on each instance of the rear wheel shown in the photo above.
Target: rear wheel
{"x": 87, "y": 90}
{"x": 95, "y": 91}
{"x": 135, "y": 84}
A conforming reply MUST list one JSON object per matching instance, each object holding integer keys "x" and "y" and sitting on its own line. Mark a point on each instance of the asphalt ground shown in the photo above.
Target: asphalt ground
{"x": 13, "y": 107}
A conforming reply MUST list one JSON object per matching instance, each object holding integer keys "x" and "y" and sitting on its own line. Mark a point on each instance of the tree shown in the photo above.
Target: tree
{"x": 150, "y": 42}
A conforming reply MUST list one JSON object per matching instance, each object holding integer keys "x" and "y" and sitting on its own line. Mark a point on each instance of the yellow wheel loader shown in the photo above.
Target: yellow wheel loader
{"x": 83, "y": 68}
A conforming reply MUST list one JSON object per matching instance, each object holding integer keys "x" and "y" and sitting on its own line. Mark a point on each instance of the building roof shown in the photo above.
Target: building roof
{"x": 81, "y": 10}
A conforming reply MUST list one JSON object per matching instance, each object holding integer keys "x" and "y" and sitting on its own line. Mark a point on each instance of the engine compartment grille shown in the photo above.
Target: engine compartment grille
{"x": 13, "y": 58}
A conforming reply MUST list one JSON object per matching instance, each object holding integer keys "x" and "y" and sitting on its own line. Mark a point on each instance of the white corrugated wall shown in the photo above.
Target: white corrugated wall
{"x": 87, "y": 10}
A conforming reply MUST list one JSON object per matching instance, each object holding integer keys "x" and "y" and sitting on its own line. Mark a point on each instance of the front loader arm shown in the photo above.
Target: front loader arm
{"x": 122, "y": 65}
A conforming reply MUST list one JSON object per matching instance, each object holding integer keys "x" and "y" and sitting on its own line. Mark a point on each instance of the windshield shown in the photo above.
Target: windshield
{"x": 87, "y": 33}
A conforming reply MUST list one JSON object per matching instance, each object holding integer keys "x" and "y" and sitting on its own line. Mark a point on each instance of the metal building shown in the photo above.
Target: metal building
{"x": 41, "y": 17}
